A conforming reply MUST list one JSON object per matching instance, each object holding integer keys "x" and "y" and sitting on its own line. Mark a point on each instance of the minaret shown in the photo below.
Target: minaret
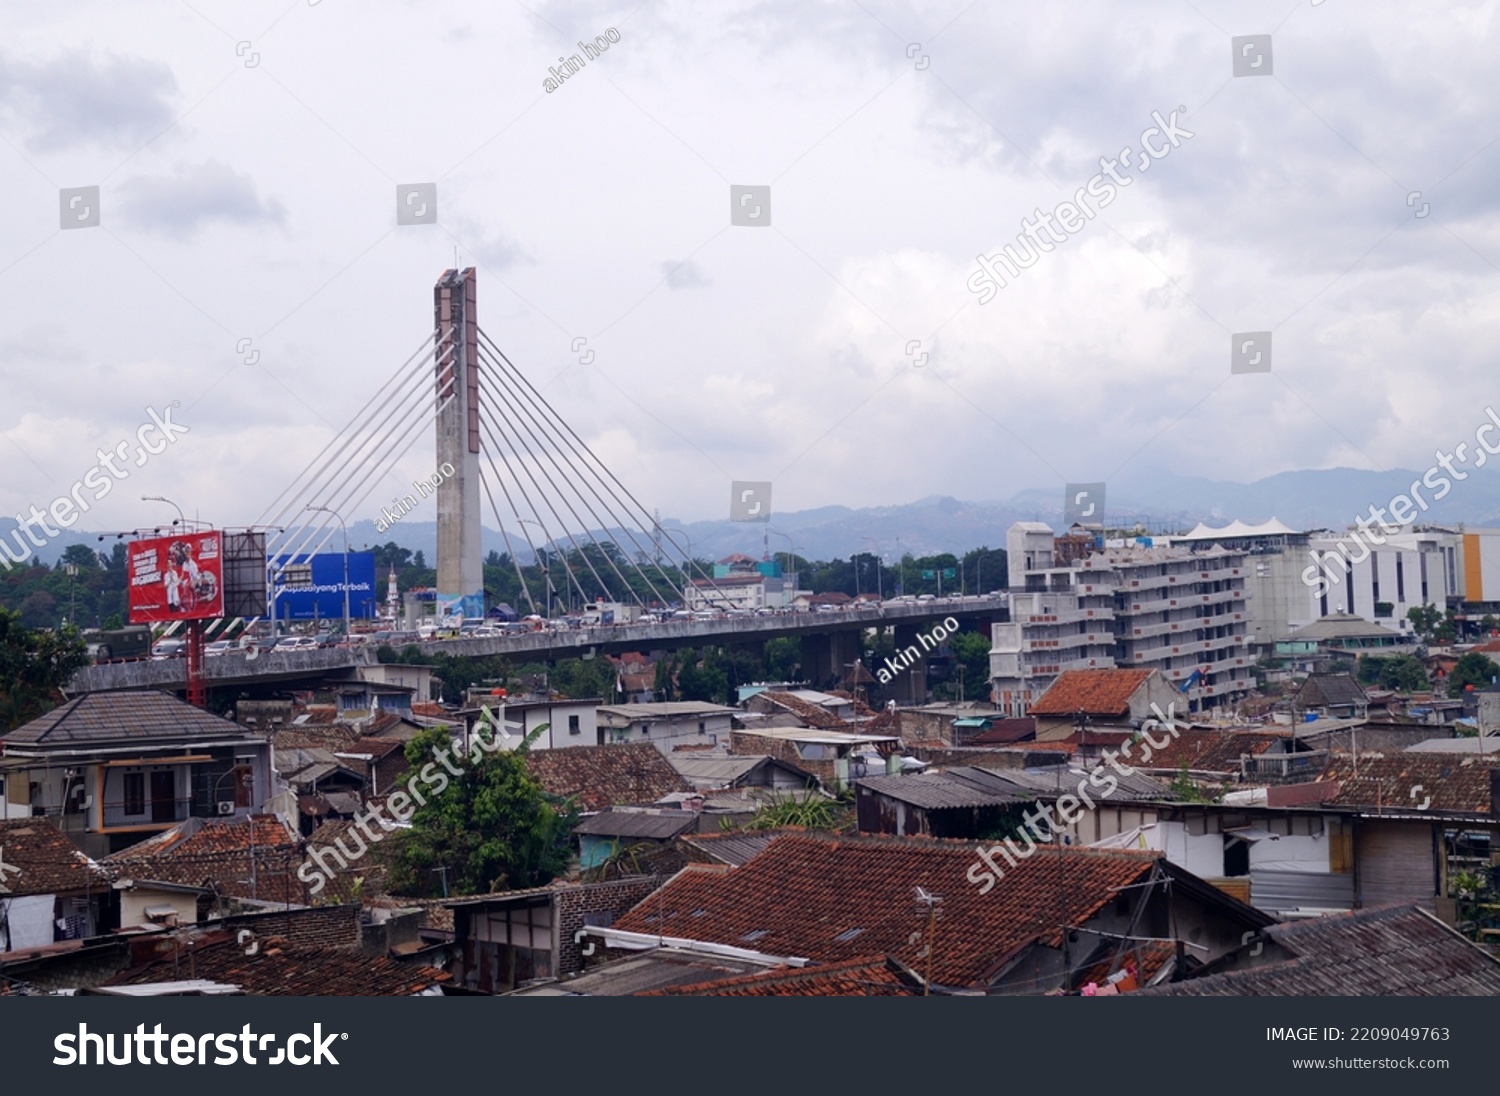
{"x": 392, "y": 599}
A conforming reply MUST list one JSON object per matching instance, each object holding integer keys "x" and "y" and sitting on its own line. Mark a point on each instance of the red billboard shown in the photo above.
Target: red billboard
{"x": 180, "y": 577}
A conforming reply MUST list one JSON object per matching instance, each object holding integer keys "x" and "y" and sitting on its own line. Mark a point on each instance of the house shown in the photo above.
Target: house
{"x": 276, "y": 968}
{"x": 255, "y": 858}
{"x": 1118, "y": 698}
{"x": 834, "y": 757}
{"x": 962, "y": 802}
{"x": 603, "y": 835}
{"x": 401, "y": 675}
{"x": 1392, "y": 951}
{"x": 503, "y": 940}
{"x": 810, "y": 901}
{"x": 629, "y": 774}
{"x": 557, "y": 722}
{"x": 1333, "y": 696}
{"x": 49, "y": 890}
{"x": 716, "y": 772}
{"x": 113, "y": 767}
{"x": 665, "y": 724}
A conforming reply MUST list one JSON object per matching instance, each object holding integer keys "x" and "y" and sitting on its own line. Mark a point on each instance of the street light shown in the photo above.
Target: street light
{"x": 335, "y": 513}
{"x": 158, "y": 498}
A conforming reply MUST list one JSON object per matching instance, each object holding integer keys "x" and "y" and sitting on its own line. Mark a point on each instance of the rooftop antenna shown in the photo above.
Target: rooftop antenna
{"x": 931, "y": 902}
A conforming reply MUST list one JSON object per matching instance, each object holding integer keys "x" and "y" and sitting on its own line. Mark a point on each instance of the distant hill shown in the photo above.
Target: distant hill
{"x": 1328, "y": 498}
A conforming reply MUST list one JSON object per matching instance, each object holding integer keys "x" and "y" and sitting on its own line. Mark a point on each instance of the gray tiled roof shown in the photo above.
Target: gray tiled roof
{"x": 1390, "y": 951}
{"x": 105, "y": 718}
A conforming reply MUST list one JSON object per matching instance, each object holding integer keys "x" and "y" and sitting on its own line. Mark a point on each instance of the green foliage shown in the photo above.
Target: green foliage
{"x": 34, "y": 665}
{"x": 783, "y": 658}
{"x": 1406, "y": 673}
{"x": 1432, "y": 624}
{"x": 1474, "y": 669}
{"x": 493, "y": 827}
{"x": 1186, "y": 789}
{"x": 814, "y": 812}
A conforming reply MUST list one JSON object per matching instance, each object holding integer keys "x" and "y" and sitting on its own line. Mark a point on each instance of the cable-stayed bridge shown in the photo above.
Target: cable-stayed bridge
{"x": 501, "y": 448}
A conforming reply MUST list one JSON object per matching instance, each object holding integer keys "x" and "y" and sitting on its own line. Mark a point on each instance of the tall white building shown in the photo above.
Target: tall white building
{"x": 1078, "y": 604}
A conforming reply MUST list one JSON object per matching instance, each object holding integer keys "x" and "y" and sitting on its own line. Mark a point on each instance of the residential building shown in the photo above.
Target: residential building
{"x": 809, "y": 901}
{"x": 49, "y": 890}
{"x": 1078, "y": 603}
{"x": 111, "y": 768}
{"x": 665, "y": 724}
{"x": 740, "y": 582}
{"x": 1123, "y": 698}
{"x": 629, "y": 774}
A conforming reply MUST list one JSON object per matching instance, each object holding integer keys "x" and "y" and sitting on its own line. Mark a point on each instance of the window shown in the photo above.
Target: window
{"x": 573, "y": 727}
{"x": 135, "y": 793}
{"x": 702, "y": 727}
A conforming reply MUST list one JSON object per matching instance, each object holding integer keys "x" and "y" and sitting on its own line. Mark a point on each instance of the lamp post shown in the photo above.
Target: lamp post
{"x": 158, "y": 498}
{"x": 335, "y": 513}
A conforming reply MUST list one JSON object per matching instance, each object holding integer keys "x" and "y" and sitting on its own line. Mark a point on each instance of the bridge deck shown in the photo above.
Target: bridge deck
{"x": 234, "y": 667}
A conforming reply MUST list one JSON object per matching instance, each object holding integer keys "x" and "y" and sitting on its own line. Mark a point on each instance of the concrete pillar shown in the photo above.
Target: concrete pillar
{"x": 910, "y": 685}
{"x": 460, "y": 560}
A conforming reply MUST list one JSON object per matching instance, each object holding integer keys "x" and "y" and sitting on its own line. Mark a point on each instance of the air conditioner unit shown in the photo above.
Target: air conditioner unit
{"x": 226, "y": 806}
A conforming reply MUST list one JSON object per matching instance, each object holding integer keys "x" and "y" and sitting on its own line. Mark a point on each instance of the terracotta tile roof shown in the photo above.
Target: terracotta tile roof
{"x": 871, "y": 976}
{"x": 810, "y": 713}
{"x": 1322, "y": 690}
{"x": 1148, "y": 961}
{"x": 283, "y": 970}
{"x": 1005, "y": 731}
{"x": 1386, "y": 781}
{"x": 1211, "y": 751}
{"x": 1387, "y": 951}
{"x": 835, "y": 899}
{"x": 47, "y": 861}
{"x": 1094, "y": 692}
{"x": 607, "y": 776}
{"x": 314, "y": 736}
{"x": 134, "y": 717}
{"x": 219, "y": 855}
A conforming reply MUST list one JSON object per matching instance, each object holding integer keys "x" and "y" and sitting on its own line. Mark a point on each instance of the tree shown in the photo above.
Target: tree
{"x": 81, "y": 555}
{"x": 493, "y": 827}
{"x": 1474, "y": 669}
{"x": 34, "y": 665}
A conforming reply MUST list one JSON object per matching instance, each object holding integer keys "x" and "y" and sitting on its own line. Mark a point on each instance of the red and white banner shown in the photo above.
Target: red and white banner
{"x": 180, "y": 577}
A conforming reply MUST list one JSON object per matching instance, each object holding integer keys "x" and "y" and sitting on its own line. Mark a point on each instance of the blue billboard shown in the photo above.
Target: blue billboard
{"x": 323, "y": 599}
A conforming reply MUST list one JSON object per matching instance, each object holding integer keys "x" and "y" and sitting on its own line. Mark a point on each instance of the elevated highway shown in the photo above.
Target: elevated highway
{"x": 839, "y": 630}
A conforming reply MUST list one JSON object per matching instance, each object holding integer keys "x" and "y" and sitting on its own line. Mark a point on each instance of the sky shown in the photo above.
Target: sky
{"x": 247, "y": 269}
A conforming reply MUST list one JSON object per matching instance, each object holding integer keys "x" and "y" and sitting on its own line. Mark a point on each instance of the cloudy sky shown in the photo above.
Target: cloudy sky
{"x": 248, "y": 157}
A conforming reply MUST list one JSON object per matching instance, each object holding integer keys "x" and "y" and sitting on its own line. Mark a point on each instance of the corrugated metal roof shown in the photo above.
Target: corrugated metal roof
{"x": 937, "y": 791}
{"x": 658, "y": 827}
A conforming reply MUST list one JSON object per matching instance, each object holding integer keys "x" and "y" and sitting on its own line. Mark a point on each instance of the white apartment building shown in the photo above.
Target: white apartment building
{"x": 1294, "y": 578}
{"x": 1079, "y": 606}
